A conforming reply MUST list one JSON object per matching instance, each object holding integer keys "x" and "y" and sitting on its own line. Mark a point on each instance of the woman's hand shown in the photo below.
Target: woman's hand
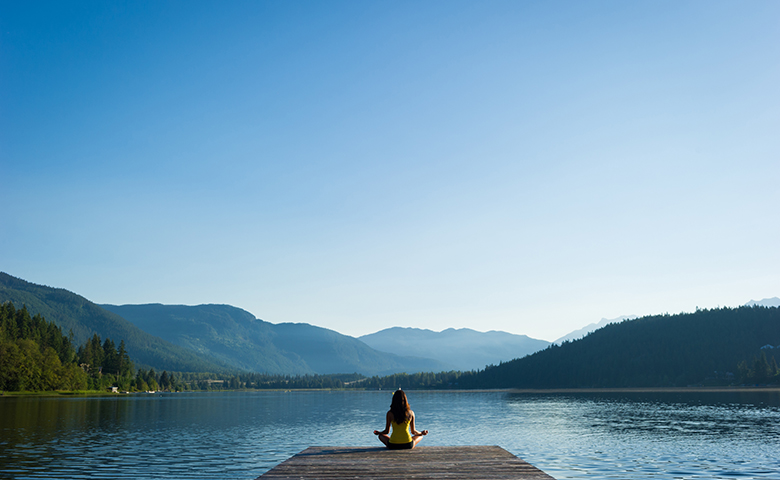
{"x": 425, "y": 432}
{"x": 376, "y": 432}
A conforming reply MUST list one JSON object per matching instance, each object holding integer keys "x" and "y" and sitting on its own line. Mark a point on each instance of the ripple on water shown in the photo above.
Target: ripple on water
{"x": 242, "y": 435}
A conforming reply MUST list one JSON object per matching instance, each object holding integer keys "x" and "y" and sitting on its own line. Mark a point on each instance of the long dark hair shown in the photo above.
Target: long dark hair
{"x": 399, "y": 407}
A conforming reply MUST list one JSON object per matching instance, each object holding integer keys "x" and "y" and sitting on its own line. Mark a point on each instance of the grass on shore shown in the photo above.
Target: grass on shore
{"x": 58, "y": 393}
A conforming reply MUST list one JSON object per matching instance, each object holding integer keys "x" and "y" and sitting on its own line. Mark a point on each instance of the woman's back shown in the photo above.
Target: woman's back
{"x": 401, "y": 432}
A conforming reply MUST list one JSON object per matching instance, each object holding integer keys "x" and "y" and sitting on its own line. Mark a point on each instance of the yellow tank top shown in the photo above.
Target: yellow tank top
{"x": 401, "y": 432}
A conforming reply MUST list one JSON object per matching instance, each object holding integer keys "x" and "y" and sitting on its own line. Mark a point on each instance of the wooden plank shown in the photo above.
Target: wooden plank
{"x": 470, "y": 462}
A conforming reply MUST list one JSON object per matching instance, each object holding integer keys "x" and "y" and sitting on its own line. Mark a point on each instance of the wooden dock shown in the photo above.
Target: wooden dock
{"x": 471, "y": 463}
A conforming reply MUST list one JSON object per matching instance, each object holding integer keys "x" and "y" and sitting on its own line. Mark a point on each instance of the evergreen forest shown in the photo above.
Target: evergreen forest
{"x": 36, "y": 356}
{"x": 77, "y": 315}
{"x": 724, "y": 346}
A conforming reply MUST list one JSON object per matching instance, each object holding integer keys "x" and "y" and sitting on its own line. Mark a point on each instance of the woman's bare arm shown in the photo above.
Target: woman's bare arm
{"x": 388, "y": 419}
{"x": 413, "y": 430}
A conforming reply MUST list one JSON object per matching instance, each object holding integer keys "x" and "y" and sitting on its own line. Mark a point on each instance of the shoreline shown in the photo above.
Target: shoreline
{"x": 740, "y": 389}
{"x": 647, "y": 390}
{"x": 57, "y": 393}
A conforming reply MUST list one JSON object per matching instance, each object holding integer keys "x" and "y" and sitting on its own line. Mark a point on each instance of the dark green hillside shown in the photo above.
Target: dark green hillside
{"x": 233, "y": 335}
{"x": 655, "y": 351}
{"x": 76, "y": 314}
{"x": 238, "y": 338}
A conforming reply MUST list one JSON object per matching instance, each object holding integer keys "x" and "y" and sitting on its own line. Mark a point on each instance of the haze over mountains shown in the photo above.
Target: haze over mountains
{"x": 221, "y": 338}
{"x": 78, "y": 316}
{"x": 236, "y": 337}
{"x": 463, "y": 349}
{"x": 767, "y": 302}
{"x": 592, "y": 327}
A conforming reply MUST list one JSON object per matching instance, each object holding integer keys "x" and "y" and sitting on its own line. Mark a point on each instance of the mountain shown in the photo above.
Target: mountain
{"x": 463, "y": 349}
{"x": 74, "y": 313}
{"x": 239, "y": 339}
{"x": 767, "y": 302}
{"x": 653, "y": 351}
{"x": 233, "y": 335}
{"x": 591, "y": 327}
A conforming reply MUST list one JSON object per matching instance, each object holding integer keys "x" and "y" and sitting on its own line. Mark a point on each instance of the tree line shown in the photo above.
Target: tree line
{"x": 712, "y": 347}
{"x": 264, "y": 381}
{"x": 762, "y": 370}
{"x": 704, "y": 347}
{"x": 204, "y": 381}
{"x": 36, "y": 356}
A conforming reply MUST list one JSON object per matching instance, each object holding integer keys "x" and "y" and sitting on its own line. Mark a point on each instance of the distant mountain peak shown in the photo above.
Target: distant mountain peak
{"x": 462, "y": 348}
{"x": 577, "y": 334}
{"x": 238, "y": 338}
{"x": 767, "y": 302}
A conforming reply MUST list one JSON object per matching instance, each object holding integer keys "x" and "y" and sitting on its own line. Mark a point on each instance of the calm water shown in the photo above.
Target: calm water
{"x": 242, "y": 435}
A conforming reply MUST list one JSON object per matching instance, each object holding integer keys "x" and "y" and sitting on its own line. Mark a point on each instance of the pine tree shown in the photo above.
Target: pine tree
{"x": 125, "y": 365}
{"x": 165, "y": 382}
{"x": 23, "y": 323}
{"x": 110, "y": 358}
{"x": 775, "y": 371}
{"x": 761, "y": 369}
{"x": 97, "y": 352}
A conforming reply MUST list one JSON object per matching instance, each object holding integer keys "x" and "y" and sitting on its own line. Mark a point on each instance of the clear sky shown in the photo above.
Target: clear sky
{"x": 522, "y": 166}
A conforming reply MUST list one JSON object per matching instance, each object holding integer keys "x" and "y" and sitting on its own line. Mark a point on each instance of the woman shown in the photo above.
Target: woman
{"x": 401, "y": 417}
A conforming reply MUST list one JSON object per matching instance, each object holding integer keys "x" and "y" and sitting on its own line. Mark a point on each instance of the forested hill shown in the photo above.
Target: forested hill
{"x": 654, "y": 351}
{"x": 236, "y": 337}
{"x": 208, "y": 338}
{"x": 74, "y": 313}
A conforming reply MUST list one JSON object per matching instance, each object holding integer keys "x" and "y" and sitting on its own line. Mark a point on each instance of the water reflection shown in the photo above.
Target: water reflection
{"x": 656, "y": 435}
{"x": 696, "y": 414}
{"x": 241, "y": 435}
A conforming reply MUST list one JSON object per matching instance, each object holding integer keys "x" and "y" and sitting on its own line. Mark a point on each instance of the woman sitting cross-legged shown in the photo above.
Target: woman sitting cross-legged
{"x": 401, "y": 417}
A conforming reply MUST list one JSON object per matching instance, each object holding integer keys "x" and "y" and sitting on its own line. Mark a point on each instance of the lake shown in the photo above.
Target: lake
{"x": 240, "y": 435}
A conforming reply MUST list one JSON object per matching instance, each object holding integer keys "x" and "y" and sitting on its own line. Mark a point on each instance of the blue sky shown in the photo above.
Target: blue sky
{"x": 521, "y": 166}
